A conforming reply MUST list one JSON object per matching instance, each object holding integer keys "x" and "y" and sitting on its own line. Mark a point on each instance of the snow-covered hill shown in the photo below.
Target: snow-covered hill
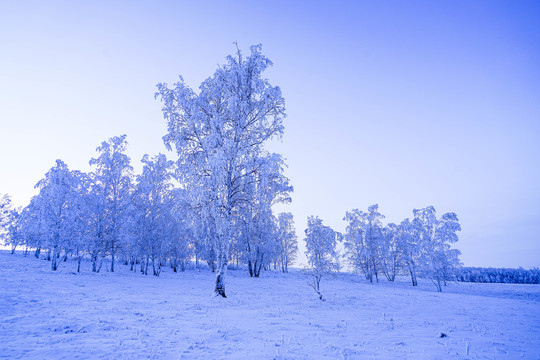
{"x": 126, "y": 315}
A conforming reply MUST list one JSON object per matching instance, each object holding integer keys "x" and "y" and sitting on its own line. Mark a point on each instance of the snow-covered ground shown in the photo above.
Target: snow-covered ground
{"x": 126, "y": 315}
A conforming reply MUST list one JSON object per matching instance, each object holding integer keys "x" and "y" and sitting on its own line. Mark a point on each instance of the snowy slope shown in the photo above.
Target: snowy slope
{"x": 125, "y": 315}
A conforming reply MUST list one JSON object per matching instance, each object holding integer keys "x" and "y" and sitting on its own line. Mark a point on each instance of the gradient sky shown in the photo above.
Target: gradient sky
{"x": 401, "y": 103}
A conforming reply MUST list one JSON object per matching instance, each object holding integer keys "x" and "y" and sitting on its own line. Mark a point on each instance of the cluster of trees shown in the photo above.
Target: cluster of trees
{"x": 417, "y": 247}
{"x": 221, "y": 210}
{"x": 498, "y": 275}
{"x": 143, "y": 220}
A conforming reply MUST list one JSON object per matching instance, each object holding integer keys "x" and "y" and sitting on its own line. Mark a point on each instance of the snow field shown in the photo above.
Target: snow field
{"x": 126, "y": 315}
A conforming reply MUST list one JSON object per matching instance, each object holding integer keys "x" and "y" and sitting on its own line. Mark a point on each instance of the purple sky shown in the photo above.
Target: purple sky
{"x": 404, "y": 104}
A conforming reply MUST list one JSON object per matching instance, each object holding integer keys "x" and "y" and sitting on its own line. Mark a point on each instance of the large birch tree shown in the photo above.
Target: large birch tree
{"x": 112, "y": 185}
{"x": 219, "y": 134}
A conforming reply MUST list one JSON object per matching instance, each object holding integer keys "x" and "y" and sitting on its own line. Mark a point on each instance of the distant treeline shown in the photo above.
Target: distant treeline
{"x": 498, "y": 275}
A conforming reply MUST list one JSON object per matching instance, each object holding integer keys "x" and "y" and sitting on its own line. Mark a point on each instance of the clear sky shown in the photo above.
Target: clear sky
{"x": 401, "y": 103}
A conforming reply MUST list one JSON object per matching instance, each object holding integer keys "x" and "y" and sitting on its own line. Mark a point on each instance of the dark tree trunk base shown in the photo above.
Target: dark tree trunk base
{"x": 220, "y": 286}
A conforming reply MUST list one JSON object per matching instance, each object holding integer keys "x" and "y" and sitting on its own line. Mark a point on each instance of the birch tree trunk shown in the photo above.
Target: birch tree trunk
{"x": 54, "y": 260}
{"x": 220, "y": 277}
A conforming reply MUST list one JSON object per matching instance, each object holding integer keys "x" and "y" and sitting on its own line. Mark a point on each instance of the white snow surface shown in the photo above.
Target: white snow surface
{"x": 126, "y": 315}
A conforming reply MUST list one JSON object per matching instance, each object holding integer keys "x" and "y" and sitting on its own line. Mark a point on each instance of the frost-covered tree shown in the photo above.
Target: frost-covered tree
{"x": 363, "y": 240}
{"x": 354, "y": 242}
{"x": 30, "y": 227}
{"x": 74, "y": 241}
{"x": 219, "y": 134}
{"x": 424, "y": 227}
{"x": 112, "y": 185}
{"x": 321, "y": 252}
{"x": 56, "y": 218}
{"x": 97, "y": 222}
{"x": 391, "y": 252}
{"x": 14, "y": 237}
{"x": 440, "y": 260}
{"x": 10, "y": 233}
{"x": 5, "y": 217}
{"x": 287, "y": 240}
{"x": 374, "y": 238}
{"x": 432, "y": 238}
{"x": 151, "y": 212}
{"x": 82, "y": 232}
{"x": 5, "y": 207}
{"x": 411, "y": 249}
{"x": 258, "y": 229}
{"x": 57, "y": 194}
